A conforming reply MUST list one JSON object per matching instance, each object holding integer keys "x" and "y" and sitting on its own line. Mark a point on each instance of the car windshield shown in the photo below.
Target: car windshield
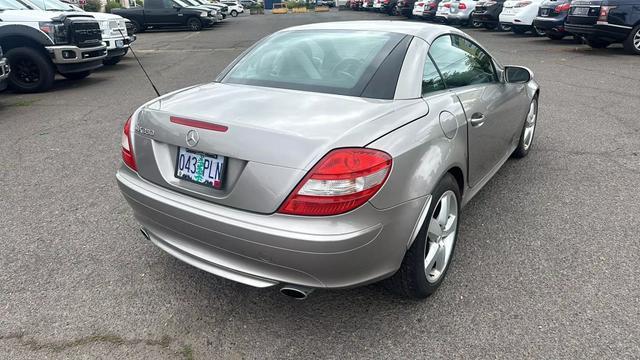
{"x": 12, "y": 5}
{"x": 51, "y": 5}
{"x": 335, "y": 62}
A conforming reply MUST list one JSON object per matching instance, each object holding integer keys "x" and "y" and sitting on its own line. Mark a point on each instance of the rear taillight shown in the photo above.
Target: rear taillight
{"x": 604, "y": 13}
{"x": 433, "y": 5}
{"x": 522, "y": 4}
{"x": 447, "y": 5}
{"x": 420, "y": 4}
{"x": 342, "y": 180}
{"x": 563, "y": 7}
{"x": 462, "y": 6}
{"x": 127, "y": 148}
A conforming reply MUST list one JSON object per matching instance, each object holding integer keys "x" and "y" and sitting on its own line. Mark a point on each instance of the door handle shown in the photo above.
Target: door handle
{"x": 477, "y": 119}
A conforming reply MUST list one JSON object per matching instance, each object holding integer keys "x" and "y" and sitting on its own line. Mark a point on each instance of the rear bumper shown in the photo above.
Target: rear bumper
{"x": 548, "y": 23}
{"x": 484, "y": 18}
{"x": 600, "y": 31}
{"x": 356, "y": 248}
{"x": 459, "y": 16}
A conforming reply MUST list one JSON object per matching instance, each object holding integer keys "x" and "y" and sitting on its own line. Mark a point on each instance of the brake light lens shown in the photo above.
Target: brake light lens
{"x": 447, "y": 5}
{"x": 522, "y": 4}
{"x": 604, "y": 13}
{"x": 127, "y": 148}
{"x": 433, "y": 5}
{"x": 420, "y": 4}
{"x": 563, "y": 7}
{"x": 341, "y": 181}
{"x": 462, "y": 6}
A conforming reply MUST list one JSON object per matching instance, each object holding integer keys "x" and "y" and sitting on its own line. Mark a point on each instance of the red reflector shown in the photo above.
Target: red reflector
{"x": 420, "y": 4}
{"x": 447, "y": 5}
{"x": 198, "y": 124}
{"x": 462, "y": 6}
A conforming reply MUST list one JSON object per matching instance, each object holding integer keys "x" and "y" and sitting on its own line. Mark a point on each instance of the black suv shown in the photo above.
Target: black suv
{"x": 487, "y": 12}
{"x": 602, "y": 23}
{"x": 551, "y": 17}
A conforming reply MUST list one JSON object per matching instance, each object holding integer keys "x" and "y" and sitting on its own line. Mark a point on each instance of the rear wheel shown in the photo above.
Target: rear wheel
{"x": 31, "y": 71}
{"x": 77, "y": 75}
{"x": 426, "y": 262}
{"x": 528, "y": 130}
{"x": 475, "y": 23}
{"x": 598, "y": 44}
{"x": 504, "y": 27}
{"x": 632, "y": 43}
{"x": 194, "y": 24}
{"x": 234, "y": 13}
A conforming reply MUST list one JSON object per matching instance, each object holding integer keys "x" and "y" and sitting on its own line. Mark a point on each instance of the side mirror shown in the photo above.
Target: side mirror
{"x": 517, "y": 74}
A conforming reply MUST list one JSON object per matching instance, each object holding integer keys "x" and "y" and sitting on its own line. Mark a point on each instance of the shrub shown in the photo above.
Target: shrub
{"x": 92, "y": 6}
{"x": 112, "y": 5}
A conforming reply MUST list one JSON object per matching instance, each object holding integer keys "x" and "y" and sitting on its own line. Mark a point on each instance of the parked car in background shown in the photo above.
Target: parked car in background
{"x": 377, "y": 4}
{"x": 4, "y": 70}
{"x": 602, "y": 23}
{"x": 367, "y": 4}
{"x": 388, "y": 6}
{"x": 213, "y": 7}
{"x": 39, "y": 43}
{"x": 247, "y": 4}
{"x": 404, "y": 7}
{"x": 234, "y": 7}
{"x": 519, "y": 15}
{"x": 442, "y": 13}
{"x": 551, "y": 17}
{"x": 163, "y": 14}
{"x": 460, "y": 12}
{"x": 422, "y": 117}
{"x": 221, "y": 7}
{"x": 114, "y": 30}
{"x": 487, "y": 13}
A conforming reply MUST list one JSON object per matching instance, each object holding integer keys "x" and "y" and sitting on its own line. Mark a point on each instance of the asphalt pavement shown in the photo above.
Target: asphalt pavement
{"x": 547, "y": 263}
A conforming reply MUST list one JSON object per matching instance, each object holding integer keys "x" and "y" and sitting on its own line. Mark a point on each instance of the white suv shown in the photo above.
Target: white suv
{"x": 519, "y": 15}
{"x": 114, "y": 29}
{"x": 235, "y": 7}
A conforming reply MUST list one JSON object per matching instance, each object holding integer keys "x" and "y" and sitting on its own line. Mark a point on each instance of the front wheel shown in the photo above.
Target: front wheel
{"x": 77, "y": 75}
{"x": 234, "y": 13}
{"x": 31, "y": 70}
{"x": 528, "y": 130}
{"x": 194, "y": 24}
{"x": 632, "y": 43}
{"x": 426, "y": 262}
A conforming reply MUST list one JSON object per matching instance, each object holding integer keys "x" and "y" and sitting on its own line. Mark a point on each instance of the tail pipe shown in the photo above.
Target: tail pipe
{"x": 296, "y": 292}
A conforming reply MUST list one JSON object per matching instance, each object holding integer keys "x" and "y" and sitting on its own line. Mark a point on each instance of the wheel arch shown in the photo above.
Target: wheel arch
{"x": 12, "y": 36}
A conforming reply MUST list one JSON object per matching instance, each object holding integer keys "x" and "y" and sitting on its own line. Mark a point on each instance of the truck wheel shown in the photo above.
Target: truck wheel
{"x": 31, "y": 71}
{"x": 234, "y": 13}
{"x": 77, "y": 75}
{"x": 136, "y": 27}
{"x": 632, "y": 44}
{"x": 113, "y": 60}
{"x": 194, "y": 24}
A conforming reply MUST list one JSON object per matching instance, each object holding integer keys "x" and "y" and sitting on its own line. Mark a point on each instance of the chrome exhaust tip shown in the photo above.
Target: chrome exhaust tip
{"x": 145, "y": 233}
{"x": 296, "y": 292}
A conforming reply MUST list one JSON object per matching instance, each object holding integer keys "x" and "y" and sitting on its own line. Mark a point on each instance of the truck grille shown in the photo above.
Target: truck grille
{"x": 85, "y": 33}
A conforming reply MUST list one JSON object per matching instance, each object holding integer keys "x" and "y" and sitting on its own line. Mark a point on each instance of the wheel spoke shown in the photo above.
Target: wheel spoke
{"x": 450, "y": 226}
{"x": 445, "y": 208}
{"x": 440, "y": 258}
{"x": 435, "y": 231}
{"x": 430, "y": 259}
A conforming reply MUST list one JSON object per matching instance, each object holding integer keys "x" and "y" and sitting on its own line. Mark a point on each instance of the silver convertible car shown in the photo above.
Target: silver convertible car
{"x": 328, "y": 156}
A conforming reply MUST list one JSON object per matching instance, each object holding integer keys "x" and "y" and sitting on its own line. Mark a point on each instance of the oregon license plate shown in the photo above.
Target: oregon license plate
{"x": 580, "y": 11}
{"x": 200, "y": 168}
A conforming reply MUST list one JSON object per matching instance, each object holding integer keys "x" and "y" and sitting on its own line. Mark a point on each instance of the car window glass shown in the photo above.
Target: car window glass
{"x": 155, "y": 4}
{"x": 431, "y": 79}
{"x": 461, "y": 62}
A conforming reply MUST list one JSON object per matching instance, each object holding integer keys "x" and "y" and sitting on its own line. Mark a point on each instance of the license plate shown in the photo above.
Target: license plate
{"x": 119, "y": 44}
{"x": 544, "y": 12}
{"x": 200, "y": 168}
{"x": 581, "y": 11}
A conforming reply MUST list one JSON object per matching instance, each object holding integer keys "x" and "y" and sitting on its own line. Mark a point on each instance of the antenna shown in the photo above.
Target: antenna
{"x": 141, "y": 67}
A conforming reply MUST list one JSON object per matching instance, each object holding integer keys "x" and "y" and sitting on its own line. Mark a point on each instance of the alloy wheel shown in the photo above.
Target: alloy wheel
{"x": 441, "y": 235}
{"x": 530, "y": 124}
{"x": 636, "y": 40}
{"x": 27, "y": 71}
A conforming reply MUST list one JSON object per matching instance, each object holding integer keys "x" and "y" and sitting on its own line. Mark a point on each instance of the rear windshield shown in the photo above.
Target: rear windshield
{"x": 335, "y": 62}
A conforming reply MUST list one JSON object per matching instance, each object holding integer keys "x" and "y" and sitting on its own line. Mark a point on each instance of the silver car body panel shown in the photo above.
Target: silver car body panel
{"x": 271, "y": 142}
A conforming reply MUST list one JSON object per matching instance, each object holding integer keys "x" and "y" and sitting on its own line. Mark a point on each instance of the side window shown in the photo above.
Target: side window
{"x": 461, "y": 62}
{"x": 154, "y": 4}
{"x": 431, "y": 79}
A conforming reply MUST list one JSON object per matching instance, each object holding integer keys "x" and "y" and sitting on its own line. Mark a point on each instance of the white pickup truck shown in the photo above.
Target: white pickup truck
{"x": 39, "y": 43}
{"x": 114, "y": 30}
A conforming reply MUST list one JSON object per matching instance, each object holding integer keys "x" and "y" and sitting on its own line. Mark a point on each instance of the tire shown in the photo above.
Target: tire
{"x": 234, "y": 13}
{"x": 77, "y": 75}
{"x": 136, "y": 27}
{"x": 598, "y": 44}
{"x": 632, "y": 43}
{"x": 194, "y": 24}
{"x": 505, "y": 28}
{"x": 31, "y": 70}
{"x": 537, "y": 32}
{"x": 112, "y": 61}
{"x": 475, "y": 24}
{"x": 528, "y": 131}
{"x": 412, "y": 280}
